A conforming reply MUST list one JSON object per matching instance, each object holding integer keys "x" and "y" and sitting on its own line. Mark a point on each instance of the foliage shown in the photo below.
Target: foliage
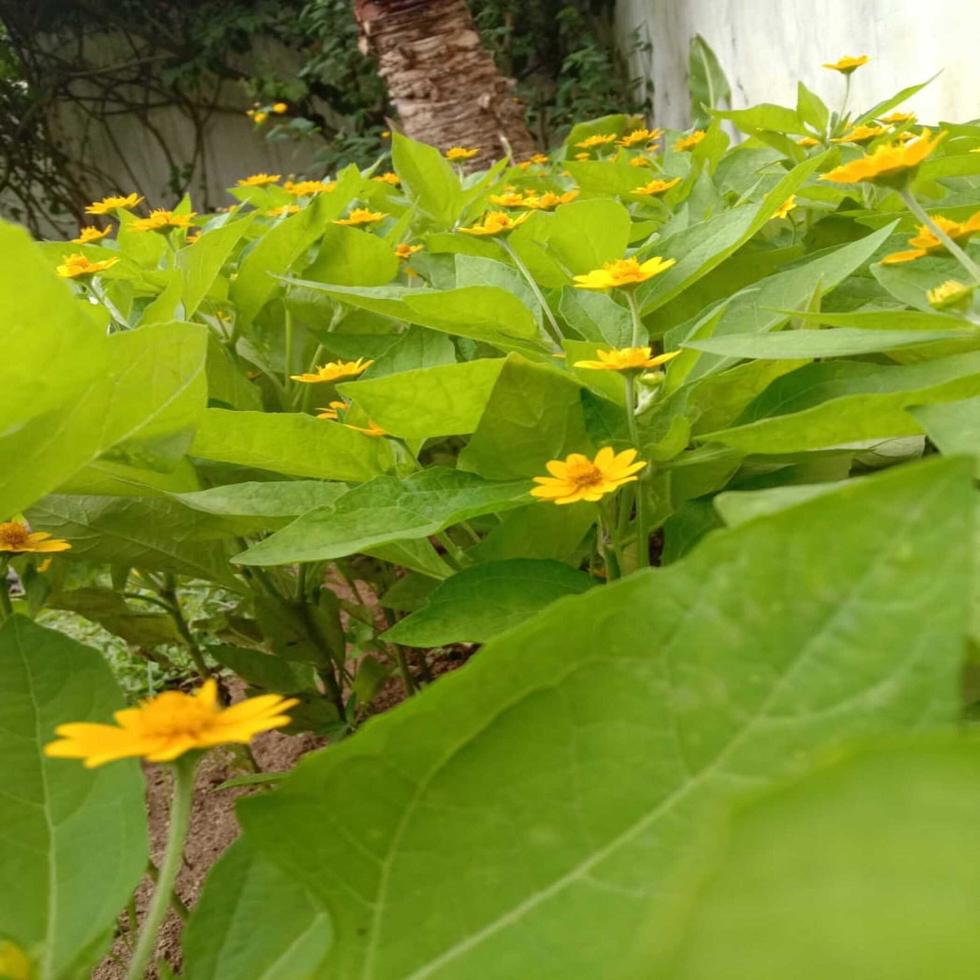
{"x": 630, "y": 745}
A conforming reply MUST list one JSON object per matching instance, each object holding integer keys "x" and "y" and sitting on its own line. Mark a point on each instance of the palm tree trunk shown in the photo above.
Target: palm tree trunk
{"x": 443, "y": 83}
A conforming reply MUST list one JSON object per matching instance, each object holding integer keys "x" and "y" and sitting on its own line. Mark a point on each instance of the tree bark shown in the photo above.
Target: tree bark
{"x": 443, "y": 83}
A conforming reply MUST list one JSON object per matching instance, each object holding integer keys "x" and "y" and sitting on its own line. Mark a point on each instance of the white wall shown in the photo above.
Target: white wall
{"x": 765, "y": 46}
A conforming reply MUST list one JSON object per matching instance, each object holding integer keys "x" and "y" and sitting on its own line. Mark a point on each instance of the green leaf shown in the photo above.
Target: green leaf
{"x": 597, "y": 733}
{"x": 478, "y": 603}
{"x": 264, "y": 670}
{"x": 583, "y": 235}
{"x": 201, "y": 263}
{"x": 706, "y": 80}
{"x": 386, "y": 510}
{"x": 765, "y": 116}
{"x": 75, "y": 842}
{"x": 138, "y": 624}
{"x": 811, "y": 108}
{"x": 883, "y": 108}
{"x": 298, "y": 445}
{"x": 428, "y": 178}
{"x": 353, "y": 257}
{"x": 866, "y": 863}
{"x": 596, "y": 316}
{"x": 953, "y": 427}
{"x": 253, "y": 922}
{"x": 884, "y": 320}
{"x": 278, "y": 500}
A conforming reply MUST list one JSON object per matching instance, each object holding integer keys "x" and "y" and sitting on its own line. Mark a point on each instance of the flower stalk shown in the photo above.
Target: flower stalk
{"x": 552, "y": 323}
{"x": 955, "y": 250}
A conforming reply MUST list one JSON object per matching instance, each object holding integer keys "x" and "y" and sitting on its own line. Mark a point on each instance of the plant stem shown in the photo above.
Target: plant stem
{"x": 180, "y": 818}
{"x": 6, "y": 609}
{"x": 642, "y": 535}
{"x": 637, "y": 318}
{"x": 538, "y": 295}
{"x": 169, "y": 595}
{"x": 176, "y": 904}
{"x": 920, "y": 212}
{"x": 607, "y": 547}
{"x": 103, "y": 297}
{"x": 289, "y": 352}
{"x": 847, "y": 96}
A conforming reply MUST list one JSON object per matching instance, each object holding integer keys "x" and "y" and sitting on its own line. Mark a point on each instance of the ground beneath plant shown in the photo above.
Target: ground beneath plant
{"x": 213, "y": 823}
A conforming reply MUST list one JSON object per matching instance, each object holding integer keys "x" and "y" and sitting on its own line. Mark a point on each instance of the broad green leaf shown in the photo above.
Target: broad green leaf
{"x": 764, "y": 116}
{"x": 74, "y": 839}
{"x": 583, "y": 235}
{"x": 737, "y": 507}
{"x": 596, "y": 316}
{"x": 839, "y": 342}
{"x": 706, "y": 81}
{"x": 953, "y": 427}
{"x": 383, "y": 511}
{"x": 201, "y": 262}
{"x": 253, "y": 922}
{"x": 884, "y": 320}
{"x": 538, "y": 531}
{"x": 438, "y": 401}
{"x": 865, "y": 866}
{"x": 353, "y": 257}
{"x": 140, "y": 624}
{"x": 475, "y": 270}
{"x": 265, "y": 670}
{"x": 278, "y": 500}
{"x": 227, "y": 385}
{"x": 428, "y": 178}
{"x": 597, "y": 734}
{"x": 298, "y": 445}
{"x": 811, "y": 109}
{"x": 478, "y": 603}
{"x": 884, "y": 107}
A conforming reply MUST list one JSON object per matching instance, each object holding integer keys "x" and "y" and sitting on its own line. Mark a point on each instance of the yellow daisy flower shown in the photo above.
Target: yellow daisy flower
{"x": 784, "y": 209}
{"x": 373, "y": 429}
{"x": 258, "y": 180}
{"x": 91, "y": 234}
{"x": 579, "y": 478}
{"x": 455, "y": 153}
{"x": 623, "y": 272}
{"x": 807, "y": 141}
{"x": 165, "y": 727}
{"x": 304, "y": 188}
{"x": 77, "y": 265}
{"x": 690, "y": 141}
{"x": 18, "y": 539}
{"x": 389, "y": 177}
{"x": 897, "y": 118}
{"x": 924, "y": 242}
{"x": 655, "y": 187}
{"x": 549, "y": 200}
{"x": 861, "y": 134}
{"x": 333, "y": 371}
{"x": 541, "y": 159}
{"x": 599, "y": 139}
{"x": 890, "y": 164}
{"x": 640, "y": 161}
{"x": 405, "y": 251}
{"x": 283, "y": 211}
{"x": 637, "y": 136}
{"x": 627, "y": 359}
{"x": 257, "y": 117}
{"x": 279, "y": 108}
{"x": 330, "y": 413}
{"x": 108, "y": 204}
{"x": 950, "y": 294}
{"x": 846, "y": 65}
{"x": 509, "y": 199}
{"x": 361, "y": 216}
{"x": 161, "y": 220}
{"x": 495, "y": 223}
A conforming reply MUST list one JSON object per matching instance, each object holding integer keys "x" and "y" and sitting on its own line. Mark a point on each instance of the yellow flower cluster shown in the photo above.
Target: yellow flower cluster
{"x": 259, "y": 180}
{"x": 459, "y": 153}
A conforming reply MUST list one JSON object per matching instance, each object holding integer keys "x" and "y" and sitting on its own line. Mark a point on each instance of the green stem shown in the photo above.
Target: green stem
{"x": 607, "y": 547}
{"x": 538, "y": 295}
{"x": 169, "y": 595}
{"x": 103, "y": 297}
{"x": 920, "y": 212}
{"x": 289, "y": 352}
{"x": 180, "y": 818}
{"x": 642, "y": 534}
{"x": 175, "y": 903}
{"x": 847, "y": 96}
{"x": 6, "y": 609}
{"x": 634, "y": 306}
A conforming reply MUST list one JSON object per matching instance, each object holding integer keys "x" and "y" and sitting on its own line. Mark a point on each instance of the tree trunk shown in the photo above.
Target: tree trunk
{"x": 441, "y": 80}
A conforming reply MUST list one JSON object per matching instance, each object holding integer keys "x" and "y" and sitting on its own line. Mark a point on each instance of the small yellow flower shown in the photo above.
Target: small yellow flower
{"x": 77, "y": 265}
{"x": 455, "y": 153}
{"x": 549, "y": 200}
{"x": 405, "y": 251}
{"x": 579, "y": 478}
{"x": 373, "y": 429}
{"x": 861, "y": 134}
{"x": 509, "y": 199}
{"x": 279, "y": 108}
{"x": 949, "y": 295}
{"x": 165, "y": 727}
{"x": 637, "y": 136}
{"x": 784, "y": 209}
{"x": 18, "y": 539}
{"x": 906, "y": 134}
{"x": 283, "y": 211}
{"x": 541, "y": 159}
{"x": 495, "y": 223}
{"x": 640, "y": 161}
{"x": 361, "y": 216}
{"x": 258, "y": 180}
{"x": 385, "y": 134}
{"x": 258, "y": 117}
{"x": 924, "y": 242}
{"x": 623, "y": 272}
{"x": 333, "y": 371}
{"x": 389, "y": 177}
{"x": 330, "y": 413}
{"x": 162, "y": 220}
{"x": 627, "y": 359}
{"x": 305, "y": 188}
{"x": 690, "y": 141}
{"x": 599, "y": 139}
{"x": 655, "y": 187}
{"x": 897, "y": 118}
{"x": 846, "y": 65}
{"x": 807, "y": 141}
{"x": 14, "y": 964}
{"x": 582, "y": 156}
{"x": 91, "y": 234}
{"x": 111, "y": 203}
{"x": 890, "y": 164}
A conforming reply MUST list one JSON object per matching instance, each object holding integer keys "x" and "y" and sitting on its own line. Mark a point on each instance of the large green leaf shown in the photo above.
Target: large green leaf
{"x": 866, "y": 868}
{"x": 74, "y": 839}
{"x": 706, "y": 80}
{"x": 141, "y": 624}
{"x": 298, "y": 445}
{"x": 953, "y": 427}
{"x": 200, "y": 263}
{"x": 354, "y": 258}
{"x": 585, "y": 234}
{"x": 576, "y": 753}
{"x": 386, "y": 510}
{"x": 429, "y": 180}
{"x": 276, "y": 501}
{"x": 480, "y": 602}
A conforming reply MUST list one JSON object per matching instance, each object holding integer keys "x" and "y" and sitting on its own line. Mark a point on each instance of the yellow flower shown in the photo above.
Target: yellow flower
{"x": 389, "y": 177}
{"x": 926, "y": 243}
{"x": 361, "y": 216}
{"x": 77, "y": 265}
{"x": 861, "y": 134}
{"x": 627, "y": 359}
{"x": 330, "y": 413}
{"x": 808, "y": 141}
{"x": 108, "y": 204}
{"x": 690, "y": 141}
{"x": 549, "y": 200}
{"x": 846, "y": 65}
{"x": 582, "y": 156}
{"x": 455, "y": 153}
{"x": 655, "y": 187}
{"x": 906, "y": 134}
{"x": 897, "y": 118}
{"x": 259, "y": 117}
{"x": 165, "y": 727}
{"x": 16, "y": 538}
{"x": 91, "y": 234}
{"x": 889, "y": 164}
{"x": 385, "y": 134}
{"x": 372, "y": 429}
{"x": 333, "y": 371}
{"x": 304, "y": 188}
{"x": 258, "y": 180}
{"x": 193, "y": 237}
{"x": 599, "y": 139}
{"x": 509, "y": 199}
{"x": 638, "y": 136}
{"x": 579, "y": 478}
{"x": 161, "y": 219}
{"x": 950, "y": 294}
{"x": 14, "y": 964}
{"x": 541, "y": 159}
{"x": 623, "y": 272}
{"x": 405, "y": 251}
{"x": 279, "y": 107}
{"x": 283, "y": 211}
{"x": 495, "y": 223}
{"x": 640, "y": 161}
{"x": 784, "y": 209}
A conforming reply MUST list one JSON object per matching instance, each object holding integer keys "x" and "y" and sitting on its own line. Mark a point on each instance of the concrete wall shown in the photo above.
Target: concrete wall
{"x": 765, "y": 46}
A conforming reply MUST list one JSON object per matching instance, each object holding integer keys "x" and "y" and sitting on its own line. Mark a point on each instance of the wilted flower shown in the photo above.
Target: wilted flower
{"x": 333, "y": 371}
{"x": 846, "y": 65}
{"x": 579, "y": 478}
{"x": 623, "y": 272}
{"x": 111, "y": 203}
{"x": 17, "y": 538}
{"x": 77, "y": 265}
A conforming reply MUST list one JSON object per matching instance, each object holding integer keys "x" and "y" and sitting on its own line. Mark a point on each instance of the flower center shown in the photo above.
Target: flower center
{"x": 174, "y": 713}
{"x": 13, "y": 535}
{"x": 584, "y": 474}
